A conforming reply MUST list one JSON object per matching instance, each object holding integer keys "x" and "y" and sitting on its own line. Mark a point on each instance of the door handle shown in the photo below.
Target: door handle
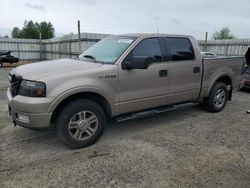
{"x": 163, "y": 73}
{"x": 196, "y": 69}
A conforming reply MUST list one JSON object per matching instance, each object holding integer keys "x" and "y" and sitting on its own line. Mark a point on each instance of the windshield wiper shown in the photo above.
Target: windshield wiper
{"x": 93, "y": 58}
{"x": 89, "y": 57}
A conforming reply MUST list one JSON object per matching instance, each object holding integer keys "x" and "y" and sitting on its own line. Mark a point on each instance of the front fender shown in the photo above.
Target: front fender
{"x": 76, "y": 90}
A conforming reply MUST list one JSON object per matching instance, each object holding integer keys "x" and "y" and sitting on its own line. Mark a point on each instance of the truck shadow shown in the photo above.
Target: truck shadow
{"x": 245, "y": 90}
{"x": 154, "y": 121}
{"x": 35, "y": 147}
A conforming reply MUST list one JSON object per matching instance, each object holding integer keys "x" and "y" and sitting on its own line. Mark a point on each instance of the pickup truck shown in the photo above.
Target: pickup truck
{"x": 119, "y": 75}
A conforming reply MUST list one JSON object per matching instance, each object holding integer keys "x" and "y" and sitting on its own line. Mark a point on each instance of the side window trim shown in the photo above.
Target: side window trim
{"x": 161, "y": 49}
{"x": 164, "y": 51}
{"x": 169, "y": 56}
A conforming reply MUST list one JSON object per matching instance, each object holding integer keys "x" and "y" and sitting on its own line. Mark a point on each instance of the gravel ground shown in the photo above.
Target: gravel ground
{"x": 184, "y": 148}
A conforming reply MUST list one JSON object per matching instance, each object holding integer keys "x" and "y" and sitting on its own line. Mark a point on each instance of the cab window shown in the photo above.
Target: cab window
{"x": 148, "y": 48}
{"x": 180, "y": 49}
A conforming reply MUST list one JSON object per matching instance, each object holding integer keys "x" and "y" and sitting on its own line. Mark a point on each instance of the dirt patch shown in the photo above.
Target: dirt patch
{"x": 13, "y": 65}
{"x": 182, "y": 148}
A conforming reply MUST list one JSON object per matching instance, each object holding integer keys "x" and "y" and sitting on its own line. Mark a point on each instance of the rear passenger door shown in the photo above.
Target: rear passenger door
{"x": 184, "y": 70}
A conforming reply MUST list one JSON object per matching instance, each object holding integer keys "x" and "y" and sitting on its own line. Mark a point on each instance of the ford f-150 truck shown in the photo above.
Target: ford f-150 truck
{"x": 121, "y": 74}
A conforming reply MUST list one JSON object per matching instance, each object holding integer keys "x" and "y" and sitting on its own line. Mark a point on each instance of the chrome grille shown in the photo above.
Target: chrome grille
{"x": 14, "y": 83}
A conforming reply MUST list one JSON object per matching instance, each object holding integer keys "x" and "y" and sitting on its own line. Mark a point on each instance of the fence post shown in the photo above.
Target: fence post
{"x": 59, "y": 47}
{"x": 79, "y": 36}
{"x": 205, "y": 46}
{"x": 69, "y": 48}
{"x": 18, "y": 51}
{"x": 226, "y": 49}
{"x": 51, "y": 50}
{"x": 40, "y": 42}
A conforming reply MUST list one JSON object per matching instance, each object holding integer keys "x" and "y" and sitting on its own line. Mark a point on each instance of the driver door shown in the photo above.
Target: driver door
{"x": 141, "y": 89}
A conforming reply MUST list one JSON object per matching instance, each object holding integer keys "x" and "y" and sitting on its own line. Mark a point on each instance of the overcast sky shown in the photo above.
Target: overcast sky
{"x": 193, "y": 17}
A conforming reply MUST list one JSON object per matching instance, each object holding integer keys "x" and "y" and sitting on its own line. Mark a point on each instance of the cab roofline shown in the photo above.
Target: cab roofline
{"x": 152, "y": 35}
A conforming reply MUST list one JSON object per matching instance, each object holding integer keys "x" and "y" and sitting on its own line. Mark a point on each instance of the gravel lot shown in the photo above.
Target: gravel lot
{"x": 184, "y": 148}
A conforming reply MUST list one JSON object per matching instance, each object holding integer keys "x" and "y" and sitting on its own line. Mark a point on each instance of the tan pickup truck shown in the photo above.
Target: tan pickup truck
{"x": 119, "y": 75}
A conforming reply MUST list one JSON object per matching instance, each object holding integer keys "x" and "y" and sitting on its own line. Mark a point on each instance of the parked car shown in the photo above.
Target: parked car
{"x": 120, "y": 75}
{"x": 6, "y": 57}
{"x": 208, "y": 54}
{"x": 245, "y": 83}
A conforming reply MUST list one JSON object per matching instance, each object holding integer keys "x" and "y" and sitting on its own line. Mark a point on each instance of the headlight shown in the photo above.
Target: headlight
{"x": 32, "y": 89}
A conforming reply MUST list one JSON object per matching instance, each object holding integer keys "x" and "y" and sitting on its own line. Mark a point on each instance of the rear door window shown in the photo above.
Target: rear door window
{"x": 180, "y": 49}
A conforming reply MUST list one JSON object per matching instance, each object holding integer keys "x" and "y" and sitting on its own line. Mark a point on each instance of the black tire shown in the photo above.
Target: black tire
{"x": 210, "y": 103}
{"x": 1, "y": 64}
{"x": 71, "y": 111}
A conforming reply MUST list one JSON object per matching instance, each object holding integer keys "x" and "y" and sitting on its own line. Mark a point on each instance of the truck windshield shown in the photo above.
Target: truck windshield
{"x": 107, "y": 50}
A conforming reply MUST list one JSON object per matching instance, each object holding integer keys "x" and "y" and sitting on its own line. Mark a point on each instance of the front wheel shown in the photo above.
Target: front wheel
{"x": 80, "y": 123}
{"x": 217, "y": 98}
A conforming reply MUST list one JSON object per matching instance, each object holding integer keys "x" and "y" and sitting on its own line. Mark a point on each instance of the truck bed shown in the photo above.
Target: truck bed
{"x": 217, "y": 66}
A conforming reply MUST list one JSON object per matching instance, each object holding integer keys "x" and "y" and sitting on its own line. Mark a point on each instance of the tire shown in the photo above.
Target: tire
{"x": 80, "y": 123}
{"x": 217, "y": 99}
{"x": 1, "y": 65}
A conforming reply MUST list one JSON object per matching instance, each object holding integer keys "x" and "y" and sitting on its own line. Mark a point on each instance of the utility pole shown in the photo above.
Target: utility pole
{"x": 158, "y": 30}
{"x": 40, "y": 41}
{"x": 205, "y": 46}
{"x": 79, "y": 36}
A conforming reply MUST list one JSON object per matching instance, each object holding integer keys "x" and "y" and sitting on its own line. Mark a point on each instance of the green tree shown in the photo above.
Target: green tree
{"x": 224, "y": 33}
{"x": 32, "y": 30}
{"x": 16, "y": 32}
{"x": 47, "y": 30}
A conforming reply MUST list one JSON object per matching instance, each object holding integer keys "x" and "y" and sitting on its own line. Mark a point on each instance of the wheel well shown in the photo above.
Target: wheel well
{"x": 227, "y": 80}
{"x": 84, "y": 95}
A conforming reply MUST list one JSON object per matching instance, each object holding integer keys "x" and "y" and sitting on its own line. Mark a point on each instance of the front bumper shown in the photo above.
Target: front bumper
{"x": 29, "y": 112}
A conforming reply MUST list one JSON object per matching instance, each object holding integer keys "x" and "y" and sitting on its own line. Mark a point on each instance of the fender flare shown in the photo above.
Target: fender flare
{"x": 216, "y": 80}
{"x": 74, "y": 91}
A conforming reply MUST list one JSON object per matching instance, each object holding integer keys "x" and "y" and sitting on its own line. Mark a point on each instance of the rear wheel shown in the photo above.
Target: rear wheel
{"x": 80, "y": 123}
{"x": 217, "y": 98}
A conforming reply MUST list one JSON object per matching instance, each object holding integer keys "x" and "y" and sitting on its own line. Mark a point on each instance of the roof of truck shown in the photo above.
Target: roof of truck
{"x": 153, "y": 34}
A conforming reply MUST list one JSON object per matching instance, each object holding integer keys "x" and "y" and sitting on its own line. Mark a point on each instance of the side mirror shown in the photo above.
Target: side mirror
{"x": 127, "y": 65}
{"x": 137, "y": 63}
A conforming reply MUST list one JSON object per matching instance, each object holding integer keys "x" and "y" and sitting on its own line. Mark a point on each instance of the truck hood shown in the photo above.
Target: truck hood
{"x": 42, "y": 69}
